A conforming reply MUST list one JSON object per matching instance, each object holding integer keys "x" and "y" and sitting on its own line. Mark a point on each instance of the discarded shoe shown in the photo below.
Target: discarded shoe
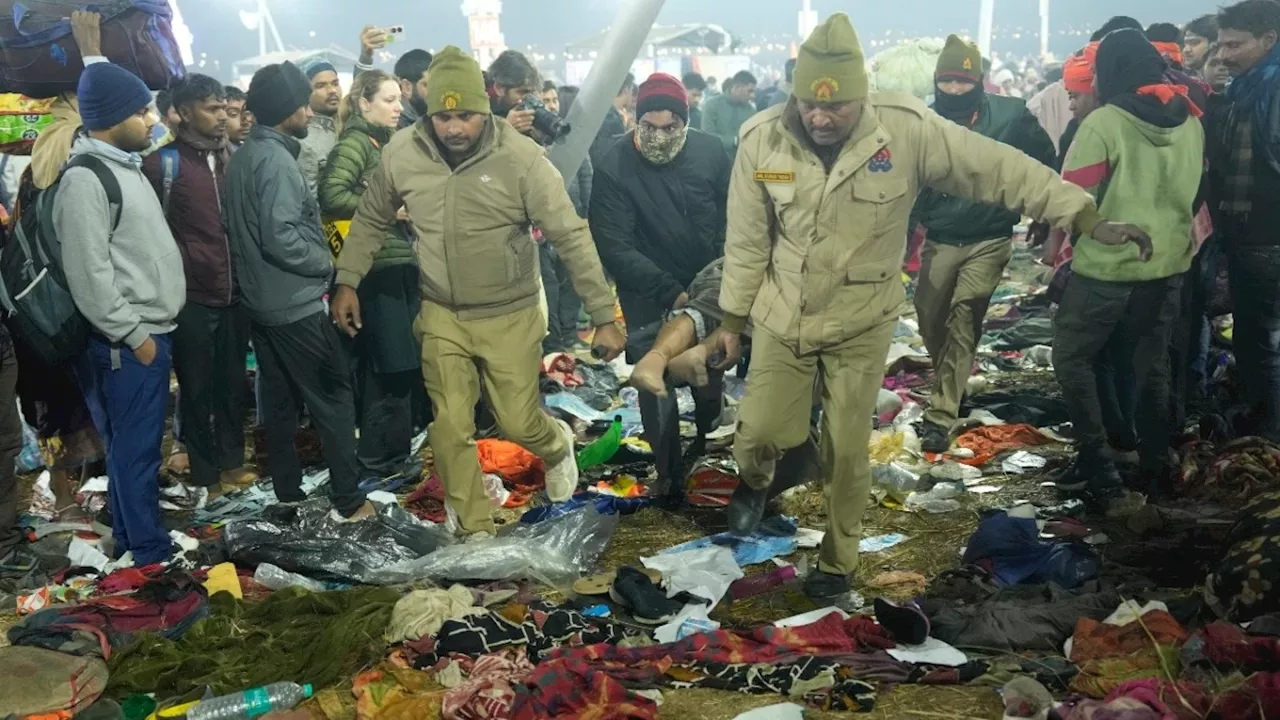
{"x": 906, "y": 623}
{"x": 824, "y": 586}
{"x": 599, "y": 584}
{"x": 746, "y": 508}
{"x": 646, "y": 602}
{"x": 562, "y": 478}
{"x": 934, "y": 438}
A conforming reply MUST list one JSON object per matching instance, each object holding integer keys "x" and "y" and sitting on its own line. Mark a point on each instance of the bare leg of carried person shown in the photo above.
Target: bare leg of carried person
{"x": 676, "y": 355}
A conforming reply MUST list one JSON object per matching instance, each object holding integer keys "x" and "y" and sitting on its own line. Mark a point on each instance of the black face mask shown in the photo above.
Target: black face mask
{"x": 959, "y": 108}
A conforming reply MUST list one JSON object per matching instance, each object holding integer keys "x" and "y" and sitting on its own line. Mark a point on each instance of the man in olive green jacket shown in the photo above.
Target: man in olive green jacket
{"x": 969, "y": 243}
{"x": 819, "y": 202}
{"x": 473, "y": 187}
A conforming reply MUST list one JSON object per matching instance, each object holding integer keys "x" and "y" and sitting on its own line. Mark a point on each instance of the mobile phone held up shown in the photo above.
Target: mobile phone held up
{"x": 391, "y": 32}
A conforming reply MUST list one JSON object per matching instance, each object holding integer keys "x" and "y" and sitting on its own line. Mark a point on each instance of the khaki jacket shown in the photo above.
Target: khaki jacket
{"x": 476, "y": 255}
{"x": 814, "y": 258}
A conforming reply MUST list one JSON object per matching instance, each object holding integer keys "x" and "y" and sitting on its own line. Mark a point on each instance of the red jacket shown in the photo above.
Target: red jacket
{"x": 195, "y": 218}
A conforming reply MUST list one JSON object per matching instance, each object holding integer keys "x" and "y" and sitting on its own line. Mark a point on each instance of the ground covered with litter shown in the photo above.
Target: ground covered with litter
{"x": 982, "y": 591}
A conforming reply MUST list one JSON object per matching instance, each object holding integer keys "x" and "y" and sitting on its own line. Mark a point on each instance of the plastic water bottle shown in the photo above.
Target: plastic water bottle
{"x": 251, "y": 703}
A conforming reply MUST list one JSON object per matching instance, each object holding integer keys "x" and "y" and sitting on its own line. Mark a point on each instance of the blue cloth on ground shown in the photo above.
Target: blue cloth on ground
{"x": 1018, "y": 555}
{"x": 775, "y": 538}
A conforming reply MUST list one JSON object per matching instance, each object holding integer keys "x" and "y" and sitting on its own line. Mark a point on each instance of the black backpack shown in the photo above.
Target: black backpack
{"x": 33, "y": 286}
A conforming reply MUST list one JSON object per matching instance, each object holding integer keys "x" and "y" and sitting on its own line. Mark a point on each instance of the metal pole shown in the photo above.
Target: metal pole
{"x": 621, "y": 47}
{"x": 1044, "y": 29}
{"x": 986, "y": 13}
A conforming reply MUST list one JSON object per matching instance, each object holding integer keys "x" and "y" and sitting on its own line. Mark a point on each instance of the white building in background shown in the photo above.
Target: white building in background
{"x": 808, "y": 20}
{"x": 484, "y": 24}
{"x": 182, "y": 34}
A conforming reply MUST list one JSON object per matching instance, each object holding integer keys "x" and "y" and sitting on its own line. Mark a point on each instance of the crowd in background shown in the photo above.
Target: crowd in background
{"x": 400, "y": 253}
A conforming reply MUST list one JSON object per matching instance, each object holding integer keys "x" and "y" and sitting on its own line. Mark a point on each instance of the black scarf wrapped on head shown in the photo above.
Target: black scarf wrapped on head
{"x": 1127, "y": 65}
{"x": 959, "y": 108}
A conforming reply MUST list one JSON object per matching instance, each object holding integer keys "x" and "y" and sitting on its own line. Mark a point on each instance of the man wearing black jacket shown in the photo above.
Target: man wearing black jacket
{"x": 658, "y": 218}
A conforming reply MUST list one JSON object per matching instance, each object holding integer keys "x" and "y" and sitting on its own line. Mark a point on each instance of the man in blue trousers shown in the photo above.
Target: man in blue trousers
{"x": 125, "y": 274}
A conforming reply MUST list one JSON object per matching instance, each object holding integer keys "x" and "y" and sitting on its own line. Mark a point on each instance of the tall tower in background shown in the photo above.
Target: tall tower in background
{"x": 484, "y": 23}
{"x": 808, "y": 20}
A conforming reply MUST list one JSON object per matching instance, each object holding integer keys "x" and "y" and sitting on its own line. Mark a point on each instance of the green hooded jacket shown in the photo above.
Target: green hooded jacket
{"x": 355, "y": 157}
{"x": 956, "y": 221}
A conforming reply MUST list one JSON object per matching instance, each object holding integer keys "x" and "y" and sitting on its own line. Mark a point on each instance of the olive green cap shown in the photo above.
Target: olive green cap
{"x": 959, "y": 60}
{"x": 831, "y": 66}
{"x": 455, "y": 83}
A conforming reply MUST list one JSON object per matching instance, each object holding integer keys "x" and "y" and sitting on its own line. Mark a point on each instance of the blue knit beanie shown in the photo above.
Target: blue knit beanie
{"x": 313, "y": 66}
{"x": 109, "y": 94}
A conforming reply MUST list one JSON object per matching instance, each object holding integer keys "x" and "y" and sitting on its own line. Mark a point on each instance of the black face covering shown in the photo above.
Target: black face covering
{"x": 1126, "y": 62}
{"x": 959, "y": 108}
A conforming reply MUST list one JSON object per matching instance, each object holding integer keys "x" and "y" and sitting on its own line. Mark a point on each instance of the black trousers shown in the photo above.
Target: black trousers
{"x": 210, "y": 346}
{"x": 1128, "y": 321}
{"x": 386, "y": 419}
{"x": 10, "y": 446}
{"x": 563, "y": 304}
{"x": 305, "y": 363}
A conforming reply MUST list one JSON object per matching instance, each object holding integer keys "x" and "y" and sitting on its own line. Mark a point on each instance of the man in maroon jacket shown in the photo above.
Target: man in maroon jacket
{"x": 212, "y": 339}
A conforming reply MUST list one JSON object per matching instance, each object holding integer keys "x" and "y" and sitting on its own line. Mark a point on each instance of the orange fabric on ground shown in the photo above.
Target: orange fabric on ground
{"x": 990, "y": 440}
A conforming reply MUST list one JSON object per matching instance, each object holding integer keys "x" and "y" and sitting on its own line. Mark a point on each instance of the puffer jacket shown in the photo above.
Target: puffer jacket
{"x": 472, "y": 224}
{"x": 958, "y": 221}
{"x": 353, "y": 160}
{"x": 814, "y": 257}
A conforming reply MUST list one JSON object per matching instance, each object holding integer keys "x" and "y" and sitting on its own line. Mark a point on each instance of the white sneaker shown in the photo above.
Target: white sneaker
{"x": 562, "y": 478}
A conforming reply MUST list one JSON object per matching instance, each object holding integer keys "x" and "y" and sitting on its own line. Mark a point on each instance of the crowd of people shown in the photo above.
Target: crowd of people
{"x": 409, "y": 232}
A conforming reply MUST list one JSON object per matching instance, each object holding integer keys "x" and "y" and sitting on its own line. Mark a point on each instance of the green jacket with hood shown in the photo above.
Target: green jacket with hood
{"x": 958, "y": 221}
{"x": 351, "y": 163}
{"x": 1142, "y": 174}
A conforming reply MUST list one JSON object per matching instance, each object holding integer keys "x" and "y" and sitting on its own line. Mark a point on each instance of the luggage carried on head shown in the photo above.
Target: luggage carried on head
{"x": 39, "y": 58}
{"x": 21, "y": 120}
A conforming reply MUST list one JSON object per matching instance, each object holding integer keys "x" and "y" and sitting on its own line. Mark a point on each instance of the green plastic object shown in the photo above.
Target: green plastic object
{"x": 603, "y": 449}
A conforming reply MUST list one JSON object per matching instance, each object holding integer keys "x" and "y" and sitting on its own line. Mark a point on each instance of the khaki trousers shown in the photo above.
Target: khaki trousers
{"x": 774, "y": 418}
{"x": 955, "y": 288}
{"x": 506, "y": 352}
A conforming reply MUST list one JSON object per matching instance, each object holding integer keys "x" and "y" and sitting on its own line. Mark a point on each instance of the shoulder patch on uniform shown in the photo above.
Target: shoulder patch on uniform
{"x": 774, "y": 176}
{"x": 900, "y": 101}
{"x": 761, "y": 118}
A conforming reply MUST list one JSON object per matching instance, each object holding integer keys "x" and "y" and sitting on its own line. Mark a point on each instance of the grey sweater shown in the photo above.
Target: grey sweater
{"x": 281, "y": 257}
{"x": 322, "y": 135}
{"x": 128, "y": 284}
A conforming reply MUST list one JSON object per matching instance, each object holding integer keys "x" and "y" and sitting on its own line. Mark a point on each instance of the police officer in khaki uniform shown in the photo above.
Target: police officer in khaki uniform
{"x": 821, "y": 193}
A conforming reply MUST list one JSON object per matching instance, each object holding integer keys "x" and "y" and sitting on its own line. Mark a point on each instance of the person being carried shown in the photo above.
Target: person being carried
{"x": 472, "y": 187}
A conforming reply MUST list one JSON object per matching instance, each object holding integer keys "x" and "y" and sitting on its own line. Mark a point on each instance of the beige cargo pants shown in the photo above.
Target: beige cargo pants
{"x": 954, "y": 291}
{"x": 774, "y": 417}
{"x": 506, "y": 352}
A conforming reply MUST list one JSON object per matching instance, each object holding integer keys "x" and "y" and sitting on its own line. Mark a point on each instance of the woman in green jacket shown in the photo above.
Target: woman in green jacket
{"x": 387, "y": 360}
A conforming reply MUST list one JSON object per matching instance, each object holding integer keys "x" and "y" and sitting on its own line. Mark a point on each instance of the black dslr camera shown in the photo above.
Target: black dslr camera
{"x": 544, "y": 121}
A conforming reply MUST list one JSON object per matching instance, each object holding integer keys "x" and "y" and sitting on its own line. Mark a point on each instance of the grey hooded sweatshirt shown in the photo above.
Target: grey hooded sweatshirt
{"x": 128, "y": 284}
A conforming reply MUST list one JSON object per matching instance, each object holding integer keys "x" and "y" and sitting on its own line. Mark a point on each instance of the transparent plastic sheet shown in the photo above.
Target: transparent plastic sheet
{"x": 555, "y": 551}
{"x": 310, "y": 542}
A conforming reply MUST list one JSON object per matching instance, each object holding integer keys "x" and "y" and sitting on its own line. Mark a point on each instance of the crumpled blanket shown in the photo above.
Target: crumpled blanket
{"x": 1110, "y": 655}
{"x": 422, "y": 612}
{"x": 1021, "y": 618}
{"x": 799, "y": 661}
{"x": 490, "y": 688}
{"x": 1246, "y": 584}
{"x": 990, "y": 440}
{"x": 1237, "y": 471}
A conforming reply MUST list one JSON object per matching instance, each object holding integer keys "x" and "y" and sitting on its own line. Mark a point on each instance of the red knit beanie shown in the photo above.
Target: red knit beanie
{"x": 663, "y": 92}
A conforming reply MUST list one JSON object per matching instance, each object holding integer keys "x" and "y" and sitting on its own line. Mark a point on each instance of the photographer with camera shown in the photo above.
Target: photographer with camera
{"x": 515, "y": 93}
